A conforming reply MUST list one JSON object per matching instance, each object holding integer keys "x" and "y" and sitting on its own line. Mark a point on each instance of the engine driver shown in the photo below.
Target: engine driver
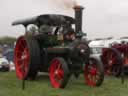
{"x": 70, "y": 35}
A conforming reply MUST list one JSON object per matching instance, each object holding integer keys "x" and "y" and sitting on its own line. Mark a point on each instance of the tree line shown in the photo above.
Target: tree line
{"x": 7, "y": 40}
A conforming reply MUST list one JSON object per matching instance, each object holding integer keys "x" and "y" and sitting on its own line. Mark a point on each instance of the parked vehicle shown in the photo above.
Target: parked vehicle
{"x": 9, "y": 55}
{"x": 115, "y": 56}
{"x": 4, "y": 64}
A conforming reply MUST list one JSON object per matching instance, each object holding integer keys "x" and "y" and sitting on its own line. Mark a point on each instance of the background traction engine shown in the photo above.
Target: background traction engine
{"x": 53, "y": 46}
{"x": 115, "y": 59}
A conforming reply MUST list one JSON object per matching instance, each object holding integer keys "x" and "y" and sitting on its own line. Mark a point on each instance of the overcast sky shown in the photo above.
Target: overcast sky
{"x": 102, "y": 18}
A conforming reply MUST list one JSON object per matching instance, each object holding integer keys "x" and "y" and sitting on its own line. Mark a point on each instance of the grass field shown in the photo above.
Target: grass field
{"x": 11, "y": 86}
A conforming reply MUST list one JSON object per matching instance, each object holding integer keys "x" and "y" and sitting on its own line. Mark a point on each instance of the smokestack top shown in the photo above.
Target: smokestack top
{"x": 78, "y": 19}
{"x": 78, "y": 7}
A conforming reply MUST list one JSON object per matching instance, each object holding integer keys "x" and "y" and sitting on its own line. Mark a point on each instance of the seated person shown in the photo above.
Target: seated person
{"x": 70, "y": 35}
{"x": 45, "y": 29}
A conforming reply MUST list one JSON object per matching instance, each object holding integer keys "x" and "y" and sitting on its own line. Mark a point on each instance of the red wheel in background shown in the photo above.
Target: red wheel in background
{"x": 113, "y": 62}
{"x": 94, "y": 73}
{"x": 126, "y": 59}
{"x": 59, "y": 73}
{"x": 26, "y": 58}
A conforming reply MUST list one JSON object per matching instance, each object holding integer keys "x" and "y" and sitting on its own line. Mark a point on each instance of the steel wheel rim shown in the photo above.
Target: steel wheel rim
{"x": 91, "y": 74}
{"x": 56, "y": 73}
{"x": 21, "y": 58}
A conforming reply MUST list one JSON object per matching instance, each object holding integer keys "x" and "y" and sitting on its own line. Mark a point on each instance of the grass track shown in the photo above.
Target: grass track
{"x": 11, "y": 86}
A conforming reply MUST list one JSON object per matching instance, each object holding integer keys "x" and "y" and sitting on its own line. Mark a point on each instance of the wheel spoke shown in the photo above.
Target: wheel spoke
{"x": 21, "y": 67}
{"x": 92, "y": 80}
{"x": 58, "y": 67}
{"x": 97, "y": 77}
{"x": 18, "y": 52}
{"x": 19, "y": 59}
{"x": 61, "y": 74}
{"x": 21, "y": 47}
{"x": 23, "y": 43}
{"x": 112, "y": 60}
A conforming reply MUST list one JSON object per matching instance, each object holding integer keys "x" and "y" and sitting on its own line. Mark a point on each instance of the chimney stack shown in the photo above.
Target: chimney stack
{"x": 78, "y": 18}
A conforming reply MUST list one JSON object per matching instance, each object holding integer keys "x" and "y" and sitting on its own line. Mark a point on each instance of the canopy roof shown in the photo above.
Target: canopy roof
{"x": 48, "y": 19}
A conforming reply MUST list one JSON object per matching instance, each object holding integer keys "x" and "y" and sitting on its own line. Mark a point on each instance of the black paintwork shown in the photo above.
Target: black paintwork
{"x": 48, "y": 19}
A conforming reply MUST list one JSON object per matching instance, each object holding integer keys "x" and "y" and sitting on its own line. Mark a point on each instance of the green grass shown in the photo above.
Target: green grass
{"x": 11, "y": 86}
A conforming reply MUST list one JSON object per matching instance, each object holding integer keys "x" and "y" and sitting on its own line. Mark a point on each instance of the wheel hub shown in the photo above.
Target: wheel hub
{"x": 58, "y": 74}
{"x": 110, "y": 62}
{"x": 93, "y": 71}
{"x": 24, "y": 56}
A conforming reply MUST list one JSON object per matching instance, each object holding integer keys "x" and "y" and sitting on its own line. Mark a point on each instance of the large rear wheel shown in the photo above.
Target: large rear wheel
{"x": 59, "y": 73}
{"x": 113, "y": 62}
{"x": 26, "y": 58}
{"x": 94, "y": 73}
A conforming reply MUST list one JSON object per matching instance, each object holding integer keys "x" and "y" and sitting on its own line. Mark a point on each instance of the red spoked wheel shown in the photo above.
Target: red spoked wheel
{"x": 59, "y": 73}
{"x": 126, "y": 59}
{"x": 94, "y": 73}
{"x": 22, "y": 57}
{"x": 26, "y": 59}
{"x": 113, "y": 62}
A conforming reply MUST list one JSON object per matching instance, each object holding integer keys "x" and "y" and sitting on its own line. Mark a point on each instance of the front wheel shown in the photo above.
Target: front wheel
{"x": 94, "y": 72}
{"x": 59, "y": 73}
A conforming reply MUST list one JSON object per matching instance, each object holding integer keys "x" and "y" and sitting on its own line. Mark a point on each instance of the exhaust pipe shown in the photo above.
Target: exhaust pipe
{"x": 78, "y": 18}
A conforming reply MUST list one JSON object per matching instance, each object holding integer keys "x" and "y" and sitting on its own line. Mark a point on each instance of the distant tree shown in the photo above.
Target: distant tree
{"x": 7, "y": 40}
{"x": 1, "y": 50}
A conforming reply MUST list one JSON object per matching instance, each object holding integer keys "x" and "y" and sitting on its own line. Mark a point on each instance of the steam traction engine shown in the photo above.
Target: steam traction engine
{"x": 55, "y": 47}
{"x": 115, "y": 58}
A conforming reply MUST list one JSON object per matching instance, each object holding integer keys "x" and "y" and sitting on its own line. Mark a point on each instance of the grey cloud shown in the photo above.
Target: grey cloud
{"x": 101, "y": 18}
